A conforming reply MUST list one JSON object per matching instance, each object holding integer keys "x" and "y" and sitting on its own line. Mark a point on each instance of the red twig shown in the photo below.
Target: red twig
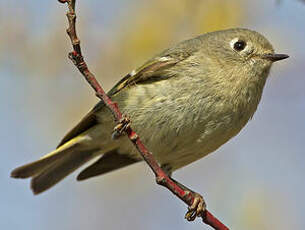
{"x": 161, "y": 176}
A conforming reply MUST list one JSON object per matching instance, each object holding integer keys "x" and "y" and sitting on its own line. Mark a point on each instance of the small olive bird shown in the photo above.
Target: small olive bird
{"x": 184, "y": 103}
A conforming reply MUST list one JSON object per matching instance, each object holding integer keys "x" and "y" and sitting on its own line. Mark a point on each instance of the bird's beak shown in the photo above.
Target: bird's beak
{"x": 275, "y": 57}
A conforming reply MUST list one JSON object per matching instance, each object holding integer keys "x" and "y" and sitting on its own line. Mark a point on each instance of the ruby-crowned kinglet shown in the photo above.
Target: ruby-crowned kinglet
{"x": 184, "y": 103}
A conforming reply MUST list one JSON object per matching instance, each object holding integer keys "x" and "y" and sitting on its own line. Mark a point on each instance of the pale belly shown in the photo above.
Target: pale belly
{"x": 179, "y": 128}
{"x": 180, "y": 145}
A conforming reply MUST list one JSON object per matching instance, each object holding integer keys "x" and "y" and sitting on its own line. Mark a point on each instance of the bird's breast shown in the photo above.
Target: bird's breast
{"x": 181, "y": 123}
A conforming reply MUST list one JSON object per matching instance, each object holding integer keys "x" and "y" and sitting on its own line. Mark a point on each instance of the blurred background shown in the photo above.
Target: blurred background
{"x": 256, "y": 181}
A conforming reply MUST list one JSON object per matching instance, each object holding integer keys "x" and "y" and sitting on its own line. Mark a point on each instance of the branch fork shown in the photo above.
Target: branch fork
{"x": 162, "y": 178}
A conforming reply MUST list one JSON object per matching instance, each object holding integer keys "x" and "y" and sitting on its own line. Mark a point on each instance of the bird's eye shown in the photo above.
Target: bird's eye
{"x": 239, "y": 45}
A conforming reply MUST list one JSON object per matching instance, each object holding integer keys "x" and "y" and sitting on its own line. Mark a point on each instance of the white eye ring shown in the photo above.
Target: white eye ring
{"x": 238, "y": 44}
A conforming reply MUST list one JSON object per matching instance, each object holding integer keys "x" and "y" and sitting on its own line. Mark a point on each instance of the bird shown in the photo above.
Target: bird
{"x": 184, "y": 103}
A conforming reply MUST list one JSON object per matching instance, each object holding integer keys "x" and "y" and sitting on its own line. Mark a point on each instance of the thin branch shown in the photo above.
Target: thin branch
{"x": 161, "y": 176}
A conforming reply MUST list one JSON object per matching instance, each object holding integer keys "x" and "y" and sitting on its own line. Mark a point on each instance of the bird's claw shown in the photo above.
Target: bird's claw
{"x": 196, "y": 209}
{"x": 121, "y": 127}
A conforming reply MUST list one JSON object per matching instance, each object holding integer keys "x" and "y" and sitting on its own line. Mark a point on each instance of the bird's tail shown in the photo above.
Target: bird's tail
{"x": 56, "y": 165}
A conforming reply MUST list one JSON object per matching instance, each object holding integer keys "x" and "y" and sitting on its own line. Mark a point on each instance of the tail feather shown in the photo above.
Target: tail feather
{"x": 108, "y": 162}
{"x": 38, "y": 166}
{"x": 56, "y": 165}
{"x": 60, "y": 169}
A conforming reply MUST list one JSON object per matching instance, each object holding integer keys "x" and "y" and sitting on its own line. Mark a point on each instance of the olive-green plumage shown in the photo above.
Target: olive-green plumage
{"x": 184, "y": 103}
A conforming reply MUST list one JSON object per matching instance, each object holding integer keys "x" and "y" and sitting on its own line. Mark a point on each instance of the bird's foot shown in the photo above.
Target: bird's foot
{"x": 121, "y": 127}
{"x": 197, "y": 208}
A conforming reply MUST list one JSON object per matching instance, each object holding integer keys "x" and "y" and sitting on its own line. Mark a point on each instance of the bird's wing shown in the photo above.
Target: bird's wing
{"x": 144, "y": 73}
{"x": 152, "y": 70}
{"x": 86, "y": 123}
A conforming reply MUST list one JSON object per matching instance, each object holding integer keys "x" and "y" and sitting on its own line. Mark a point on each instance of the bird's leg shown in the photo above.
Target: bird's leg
{"x": 121, "y": 128}
{"x": 198, "y": 206}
